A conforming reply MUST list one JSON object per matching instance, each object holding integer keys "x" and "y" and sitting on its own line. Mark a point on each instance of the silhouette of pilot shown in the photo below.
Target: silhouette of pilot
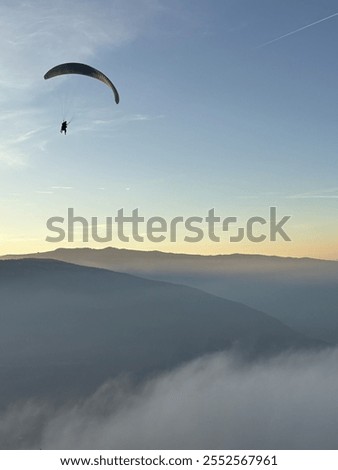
{"x": 64, "y": 127}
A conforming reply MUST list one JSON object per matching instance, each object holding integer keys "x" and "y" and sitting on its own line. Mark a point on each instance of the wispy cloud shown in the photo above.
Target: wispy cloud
{"x": 127, "y": 118}
{"x": 11, "y": 157}
{"x": 37, "y": 35}
{"x": 62, "y": 187}
{"x": 328, "y": 193}
{"x": 119, "y": 121}
{"x": 21, "y": 134}
{"x": 32, "y": 29}
{"x": 142, "y": 117}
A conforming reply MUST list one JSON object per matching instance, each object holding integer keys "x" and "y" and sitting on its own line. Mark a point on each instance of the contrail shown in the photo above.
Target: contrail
{"x": 297, "y": 30}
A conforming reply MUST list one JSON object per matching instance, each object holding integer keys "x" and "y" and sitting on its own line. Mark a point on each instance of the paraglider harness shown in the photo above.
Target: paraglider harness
{"x": 64, "y": 126}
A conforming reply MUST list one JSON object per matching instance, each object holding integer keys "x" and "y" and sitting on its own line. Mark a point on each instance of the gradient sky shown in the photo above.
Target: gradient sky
{"x": 212, "y": 115}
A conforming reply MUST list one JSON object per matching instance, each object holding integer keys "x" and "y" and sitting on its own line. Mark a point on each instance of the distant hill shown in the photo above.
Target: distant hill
{"x": 301, "y": 292}
{"x": 66, "y": 328}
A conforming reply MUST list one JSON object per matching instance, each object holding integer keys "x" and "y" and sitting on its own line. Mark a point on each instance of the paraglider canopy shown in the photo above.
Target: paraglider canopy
{"x": 82, "y": 69}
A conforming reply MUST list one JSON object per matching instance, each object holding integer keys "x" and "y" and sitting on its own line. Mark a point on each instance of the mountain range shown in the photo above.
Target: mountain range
{"x": 300, "y": 292}
{"x": 66, "y": 329}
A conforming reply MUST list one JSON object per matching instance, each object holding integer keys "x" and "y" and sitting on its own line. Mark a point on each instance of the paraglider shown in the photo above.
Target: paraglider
{"x": 81, "y": 69}
{"x": 64, "y": 126}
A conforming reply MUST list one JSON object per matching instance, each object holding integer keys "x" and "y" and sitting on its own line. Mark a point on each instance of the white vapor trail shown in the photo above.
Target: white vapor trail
{"x": 297, "y": 30}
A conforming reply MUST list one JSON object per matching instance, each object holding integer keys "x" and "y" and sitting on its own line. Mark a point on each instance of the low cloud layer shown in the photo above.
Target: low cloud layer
{"x": 214, "y": 403}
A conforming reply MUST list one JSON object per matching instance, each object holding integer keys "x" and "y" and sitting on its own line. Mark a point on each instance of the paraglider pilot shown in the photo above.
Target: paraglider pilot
{"x": 64, "y": 127}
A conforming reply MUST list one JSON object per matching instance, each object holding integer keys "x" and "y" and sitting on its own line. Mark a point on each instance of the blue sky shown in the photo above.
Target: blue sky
{"x": 210, "y": 117}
